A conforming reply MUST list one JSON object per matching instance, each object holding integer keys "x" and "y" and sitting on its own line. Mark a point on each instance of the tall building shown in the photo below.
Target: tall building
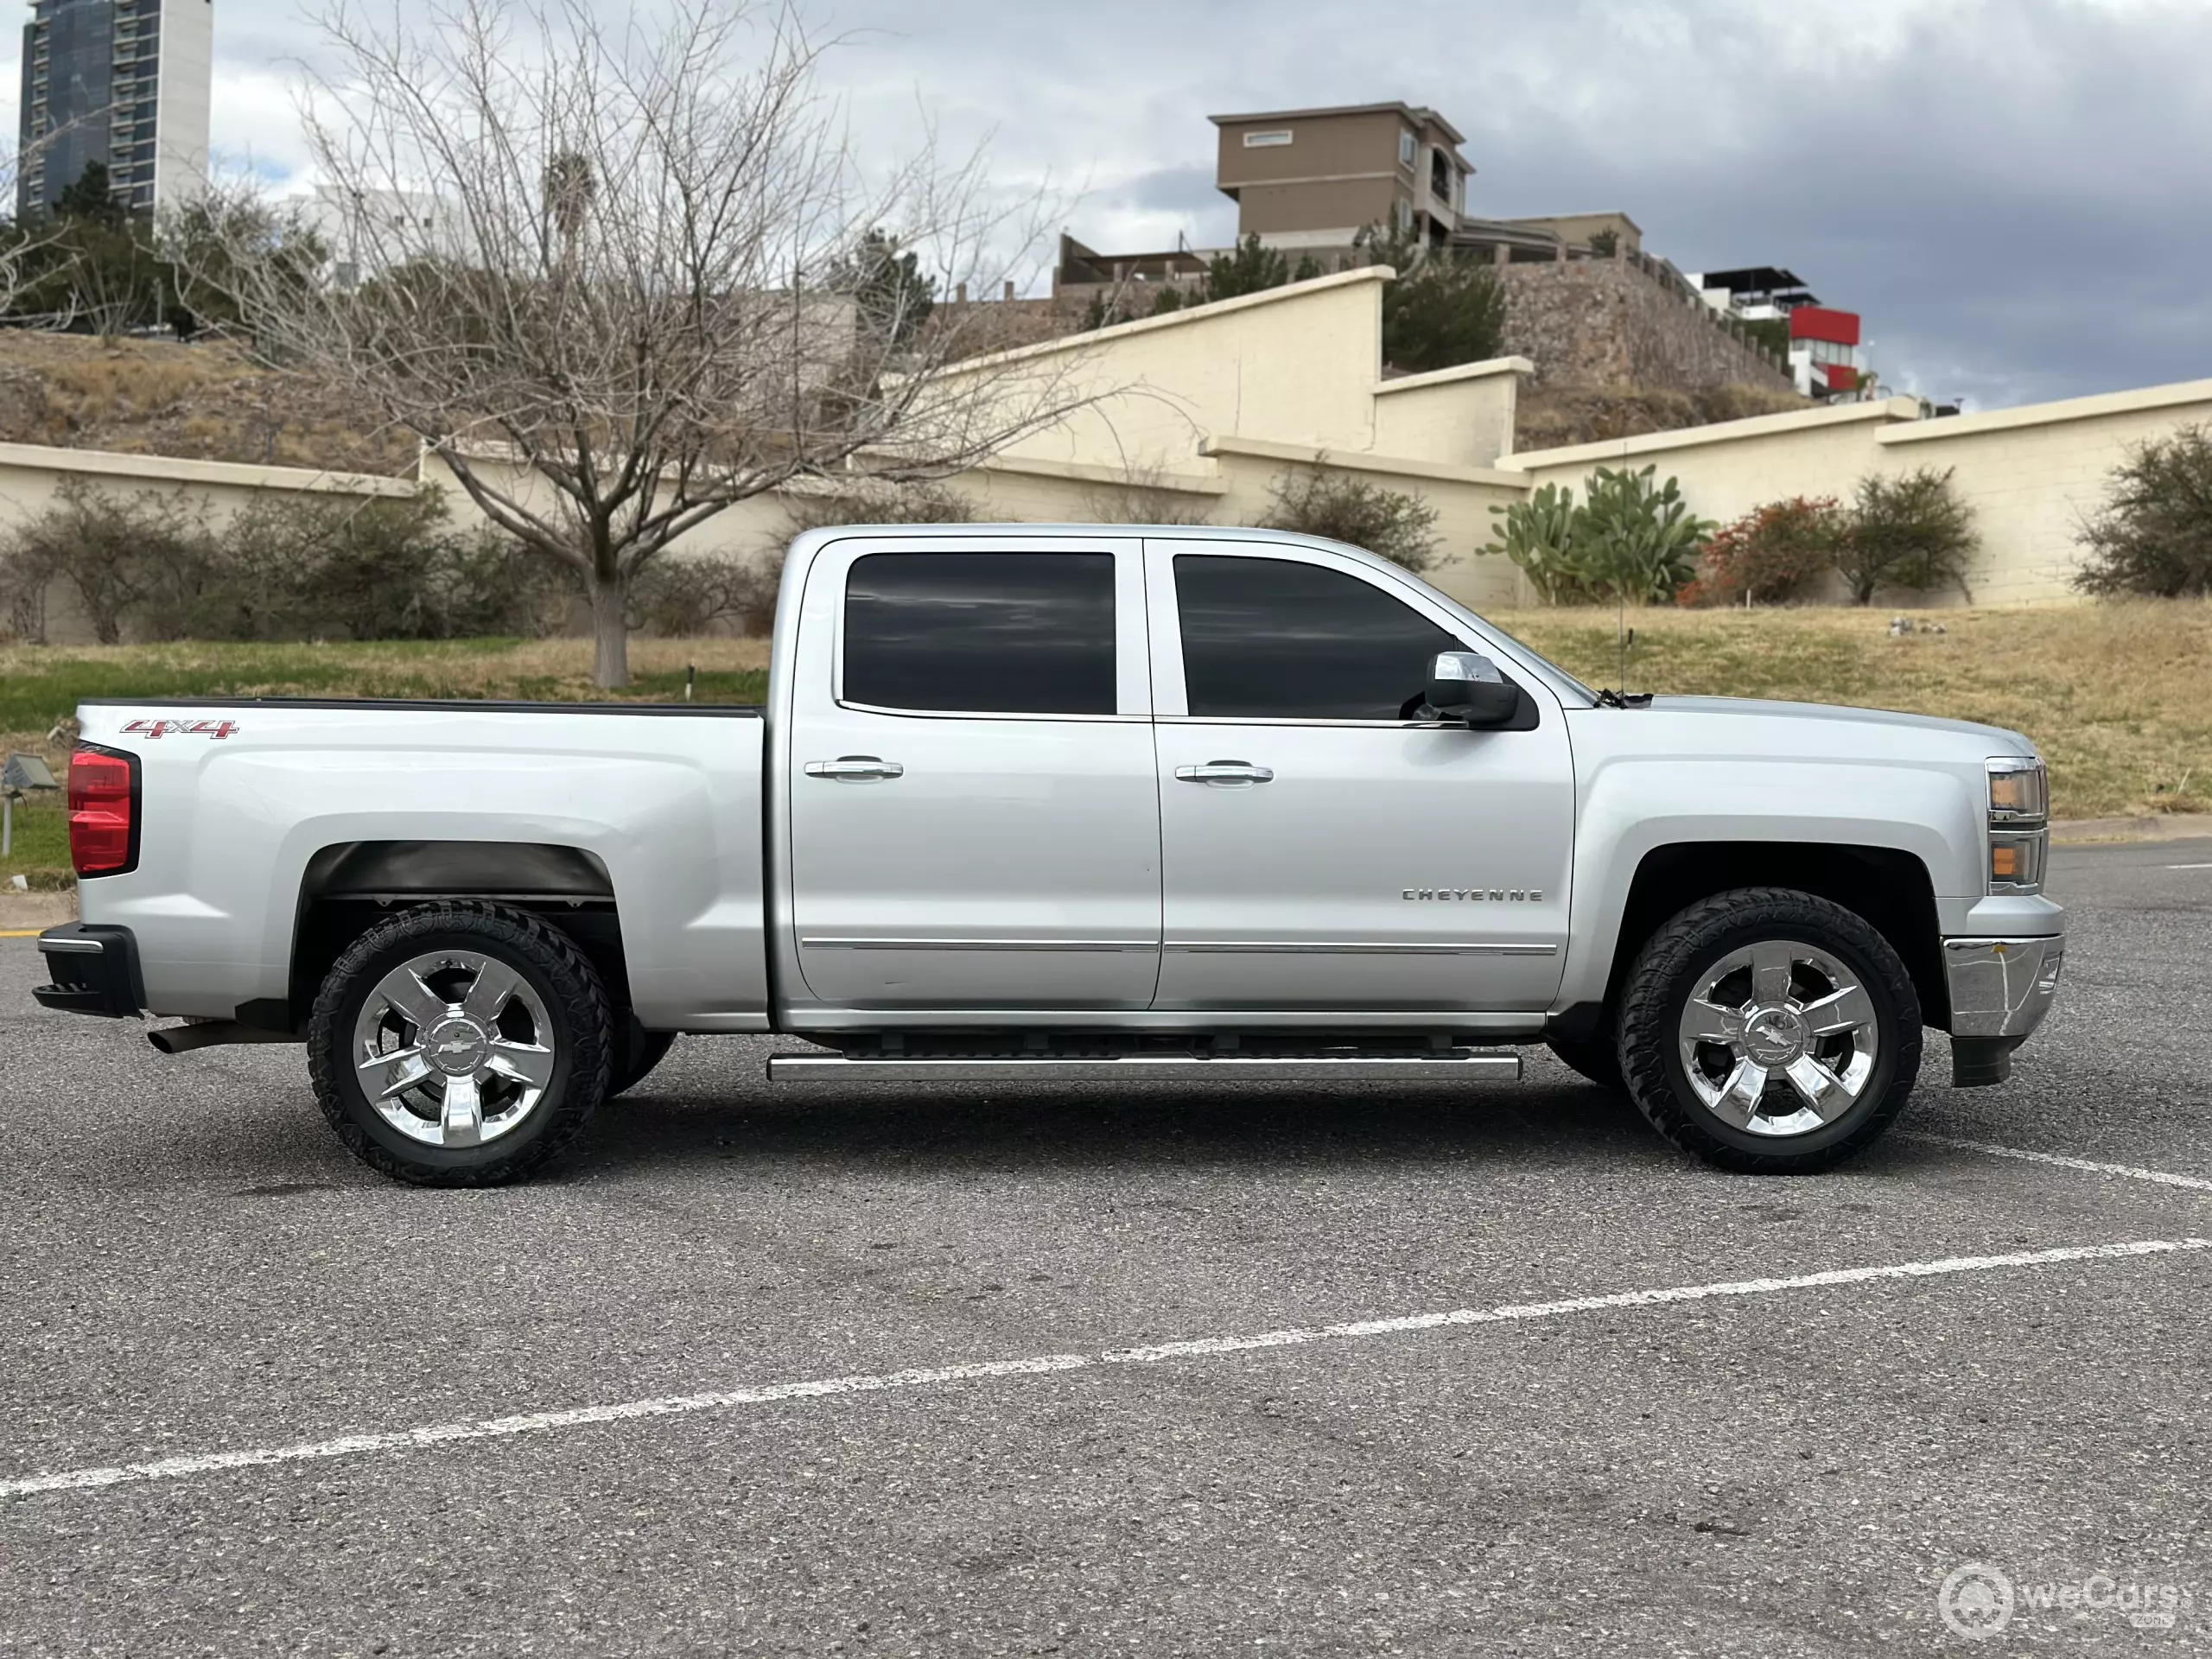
{"x": 121, "y": 82}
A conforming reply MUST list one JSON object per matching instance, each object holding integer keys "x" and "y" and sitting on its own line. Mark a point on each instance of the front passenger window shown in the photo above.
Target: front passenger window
{"x": 1281, "y": 640}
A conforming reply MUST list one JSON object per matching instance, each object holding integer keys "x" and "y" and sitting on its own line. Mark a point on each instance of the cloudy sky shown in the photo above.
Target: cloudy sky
{"x": 2015, "y": 193}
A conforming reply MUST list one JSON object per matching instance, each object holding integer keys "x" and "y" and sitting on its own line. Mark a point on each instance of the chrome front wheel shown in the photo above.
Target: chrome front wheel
{"x": 1768, "y": 1030}
{"x": 1779, "y": 1039}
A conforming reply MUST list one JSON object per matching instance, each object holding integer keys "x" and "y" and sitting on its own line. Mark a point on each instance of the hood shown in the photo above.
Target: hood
{"x": 1994, "y": 740}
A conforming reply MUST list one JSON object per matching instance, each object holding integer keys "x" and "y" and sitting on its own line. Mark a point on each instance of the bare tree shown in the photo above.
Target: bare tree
{"x": 620, "y": 278}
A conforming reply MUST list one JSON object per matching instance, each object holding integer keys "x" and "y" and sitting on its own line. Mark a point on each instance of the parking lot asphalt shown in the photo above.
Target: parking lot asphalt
{"x": 1852, "y": 1385}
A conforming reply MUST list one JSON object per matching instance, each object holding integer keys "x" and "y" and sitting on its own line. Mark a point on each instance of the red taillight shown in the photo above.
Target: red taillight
{"x": 102, "y": 804}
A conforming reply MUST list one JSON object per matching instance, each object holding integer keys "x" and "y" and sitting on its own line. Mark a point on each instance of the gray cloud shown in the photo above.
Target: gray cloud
{"x": 2012, "y": 192}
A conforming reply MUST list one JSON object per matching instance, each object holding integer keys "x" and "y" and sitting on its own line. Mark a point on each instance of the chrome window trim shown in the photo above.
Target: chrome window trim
{"x": 984, "y": 714}
{"x": 1299, "y": 720}
{"x": 1349, "y": 948}
{"x": 978, "y": 944}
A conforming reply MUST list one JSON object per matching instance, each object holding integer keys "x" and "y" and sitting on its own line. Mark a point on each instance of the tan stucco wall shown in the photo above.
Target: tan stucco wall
{"x": 2028, "y": 474}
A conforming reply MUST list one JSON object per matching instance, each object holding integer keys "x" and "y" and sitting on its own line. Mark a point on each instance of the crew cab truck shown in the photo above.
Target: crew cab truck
{"x": 1073, "y": 802}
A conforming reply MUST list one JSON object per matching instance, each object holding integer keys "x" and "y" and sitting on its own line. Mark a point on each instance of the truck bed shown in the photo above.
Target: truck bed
{"x": 252, "y": 811}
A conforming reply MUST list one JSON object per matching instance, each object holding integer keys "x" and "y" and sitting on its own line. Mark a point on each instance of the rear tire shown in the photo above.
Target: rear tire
{"x": 1769, "y": 1032}
{"x": 460, "y": 1044}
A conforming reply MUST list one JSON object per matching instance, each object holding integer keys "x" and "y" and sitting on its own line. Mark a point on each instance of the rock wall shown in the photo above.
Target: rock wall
{"x": 1625, "y": 323}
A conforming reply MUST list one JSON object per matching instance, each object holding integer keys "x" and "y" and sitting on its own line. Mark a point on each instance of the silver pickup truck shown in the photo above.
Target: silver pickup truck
{"x": 1074, "y": 802}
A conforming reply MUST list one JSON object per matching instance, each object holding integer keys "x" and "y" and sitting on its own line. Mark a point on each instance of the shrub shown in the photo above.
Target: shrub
{"x": 1910, "y": 532}
{"x": 1400, "y": 527}
{"x": 281, "y": 568}
{"x": 1142, "y": 496}
{"x": 1538, "y": 535}
{"x": 113, "y": 549}
{"x": 871, "y": 501}
{"x": 1639, "y": 542}
{"x": 1770, "y": 553}
{"x": 1447, "y": 309}
{"x": 685, "y": 594}
{"x": 1632, "y": 540}
{"x": 2153, "y": 535}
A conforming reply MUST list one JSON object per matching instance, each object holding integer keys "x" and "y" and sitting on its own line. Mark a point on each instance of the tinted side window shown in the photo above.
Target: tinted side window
{"x": 1021, "y": 633}
{"x": 1274, "y": 638}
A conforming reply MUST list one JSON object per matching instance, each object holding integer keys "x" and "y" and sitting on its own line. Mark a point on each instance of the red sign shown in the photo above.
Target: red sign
{"x": 1818, "y": 322}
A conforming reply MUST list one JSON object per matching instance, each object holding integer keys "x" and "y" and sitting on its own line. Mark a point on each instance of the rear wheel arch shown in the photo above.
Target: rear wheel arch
{"x": 350, "y": 887}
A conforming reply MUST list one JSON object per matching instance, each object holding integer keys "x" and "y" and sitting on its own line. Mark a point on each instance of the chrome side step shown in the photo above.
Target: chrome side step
{"x": 1462, "y": 1063}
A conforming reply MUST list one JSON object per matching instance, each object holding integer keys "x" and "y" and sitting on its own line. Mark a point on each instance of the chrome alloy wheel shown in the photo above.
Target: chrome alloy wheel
{"x": 1779, "y": 1040}
{"x": 454, "y": 1048}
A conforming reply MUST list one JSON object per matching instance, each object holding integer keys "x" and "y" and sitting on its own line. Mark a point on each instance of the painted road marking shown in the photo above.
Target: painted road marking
{"x": 20, "y": 932}
{"x": 2190, "y": 867}
{"x": 1206, "y": 1347}
{"x": 2162, "y": 1178}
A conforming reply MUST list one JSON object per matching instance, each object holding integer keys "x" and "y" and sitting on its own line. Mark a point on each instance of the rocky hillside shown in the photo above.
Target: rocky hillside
{"x": 204, "y": 401}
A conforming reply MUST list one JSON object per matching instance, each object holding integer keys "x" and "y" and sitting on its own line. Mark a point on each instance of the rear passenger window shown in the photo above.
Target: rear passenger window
{"x": 1277, "y": 638}
{"x": 1011, "y": 633}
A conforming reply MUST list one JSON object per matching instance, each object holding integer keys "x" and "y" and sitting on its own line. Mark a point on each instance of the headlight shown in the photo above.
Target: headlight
{"x": 2018, "y": 790}
{"x": 2020, "y": 812}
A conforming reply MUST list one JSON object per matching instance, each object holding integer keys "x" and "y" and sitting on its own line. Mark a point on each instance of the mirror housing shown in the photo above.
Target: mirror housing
{"x": 1465, "y": 685}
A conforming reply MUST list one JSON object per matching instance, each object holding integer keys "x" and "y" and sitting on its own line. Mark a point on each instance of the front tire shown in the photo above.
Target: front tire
{"x": 460, "y": 1044}
{"x": 1769, "y": 1032}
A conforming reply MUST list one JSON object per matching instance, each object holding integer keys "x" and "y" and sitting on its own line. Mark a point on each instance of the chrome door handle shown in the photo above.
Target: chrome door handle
{"x": 855, "y": 768}
{"x": 1225, "y": 771}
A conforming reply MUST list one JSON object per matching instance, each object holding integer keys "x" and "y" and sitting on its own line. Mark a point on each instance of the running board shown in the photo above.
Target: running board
{"x": 1460, "y": 1063}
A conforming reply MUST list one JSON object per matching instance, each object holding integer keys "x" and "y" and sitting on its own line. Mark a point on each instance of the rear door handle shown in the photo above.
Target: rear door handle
{"x": 1225, "y": 771}
{"x": 855, "y": 769}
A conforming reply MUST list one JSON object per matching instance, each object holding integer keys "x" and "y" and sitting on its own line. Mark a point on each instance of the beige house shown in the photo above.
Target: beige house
{"x": 1317, "y": 178}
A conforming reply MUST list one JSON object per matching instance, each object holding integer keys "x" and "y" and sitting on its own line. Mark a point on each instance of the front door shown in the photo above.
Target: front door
{"x": 974, "y": 819}
{"x": 1322, "y": 848}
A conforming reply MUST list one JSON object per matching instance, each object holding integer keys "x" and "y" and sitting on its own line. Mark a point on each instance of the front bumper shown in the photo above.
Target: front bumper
{"x": 95, "y": 970}
{"x": 1999, "y": 989}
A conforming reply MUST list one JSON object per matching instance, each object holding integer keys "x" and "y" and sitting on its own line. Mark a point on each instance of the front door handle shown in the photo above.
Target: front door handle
{"x": 1225, "y": 771}
{"x": 855, "y": 769}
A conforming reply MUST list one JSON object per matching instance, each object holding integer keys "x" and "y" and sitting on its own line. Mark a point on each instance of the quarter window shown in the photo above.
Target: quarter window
{"x": 1026, "y": 634}
{"x": 1277, "y": 638}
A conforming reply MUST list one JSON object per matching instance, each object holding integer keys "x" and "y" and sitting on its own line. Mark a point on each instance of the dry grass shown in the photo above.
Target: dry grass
{"x": 2118, "y": 697}
{"x": 207, "y": 401}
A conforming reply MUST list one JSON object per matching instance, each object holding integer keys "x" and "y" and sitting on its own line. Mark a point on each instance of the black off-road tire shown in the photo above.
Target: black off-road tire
{"x": 1665, "y": 974}
{"x": 1597, "y": 1057}
{"x": 555, "y": 969}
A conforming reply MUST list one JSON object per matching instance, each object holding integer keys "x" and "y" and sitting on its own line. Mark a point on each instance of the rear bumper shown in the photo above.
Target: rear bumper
{"x": 94, "y": 968}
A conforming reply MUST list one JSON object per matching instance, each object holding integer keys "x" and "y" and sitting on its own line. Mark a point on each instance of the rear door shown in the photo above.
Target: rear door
{"x": 1322, "y": 847}
{"x": 974, "y": 812}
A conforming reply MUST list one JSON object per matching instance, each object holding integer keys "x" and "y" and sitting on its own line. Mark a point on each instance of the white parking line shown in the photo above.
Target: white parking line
{"x": 2162, "y": 1178}
{"x": 677, "y": 1405}
{"x": 2190, "y": 867}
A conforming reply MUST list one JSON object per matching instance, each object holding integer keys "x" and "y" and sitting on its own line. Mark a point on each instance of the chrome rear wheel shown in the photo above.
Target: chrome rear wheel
{"x": 454, "y": 1048}
{"x": 461, "y": 1043}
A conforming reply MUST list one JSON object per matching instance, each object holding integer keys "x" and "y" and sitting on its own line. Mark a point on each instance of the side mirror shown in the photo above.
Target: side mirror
{"x": 1467, "y": 685}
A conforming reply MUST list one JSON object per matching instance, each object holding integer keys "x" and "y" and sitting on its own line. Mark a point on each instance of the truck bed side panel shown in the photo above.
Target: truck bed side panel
{"x": 667, "y": 802}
